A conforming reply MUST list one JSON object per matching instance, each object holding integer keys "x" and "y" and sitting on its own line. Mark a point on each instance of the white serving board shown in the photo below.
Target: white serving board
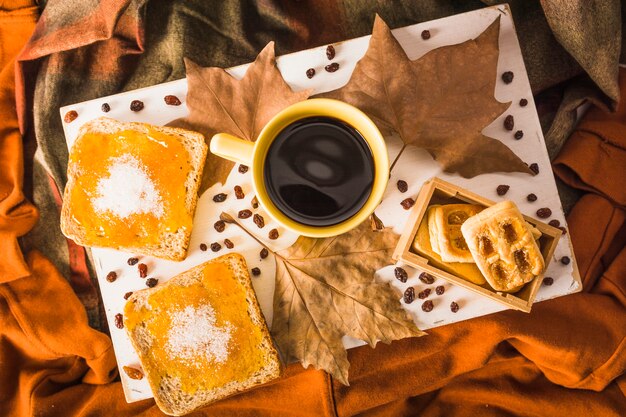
{"x": 415, "y": 166}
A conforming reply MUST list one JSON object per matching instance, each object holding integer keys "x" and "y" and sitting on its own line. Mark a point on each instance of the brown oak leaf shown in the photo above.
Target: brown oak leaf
{"x": 440, "y": 102}
{"x": 219, "y": 103}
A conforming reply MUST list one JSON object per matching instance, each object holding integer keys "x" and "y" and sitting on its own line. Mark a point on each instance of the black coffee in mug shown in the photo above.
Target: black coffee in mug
{"x": 319, "y": 171}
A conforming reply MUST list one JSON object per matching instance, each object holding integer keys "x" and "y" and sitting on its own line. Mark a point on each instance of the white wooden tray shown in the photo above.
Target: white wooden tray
{"x": 415, "y": 166}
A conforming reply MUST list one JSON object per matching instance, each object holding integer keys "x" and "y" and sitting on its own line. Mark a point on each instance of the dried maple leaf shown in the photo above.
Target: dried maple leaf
{"x": 440, "y": 102}
{"x": 325, "y": 288}
{"x": 219, "y": 103}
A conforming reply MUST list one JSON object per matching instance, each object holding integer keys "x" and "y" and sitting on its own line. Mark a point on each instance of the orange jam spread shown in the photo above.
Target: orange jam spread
{"x": 217, "y": 340}
{"x": 130, "y": 187}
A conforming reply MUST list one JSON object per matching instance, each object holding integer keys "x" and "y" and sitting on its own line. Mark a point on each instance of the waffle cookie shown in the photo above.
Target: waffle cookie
{"x": 503, "y": 247}
{"x": 444, "y": 226}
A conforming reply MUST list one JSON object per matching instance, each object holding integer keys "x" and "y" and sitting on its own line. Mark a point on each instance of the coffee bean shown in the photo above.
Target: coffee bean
{"x": 554, "y": 223}
{"x": 509, "y": 122}
{"x": 507, "y": 77}
{"x": 264, "y": 253}
{"x": 310, "y": 73}
{"x": 256, "y": 272}
{"x": 547, "y": 281}
{"x": 454, "y": 307}
{"x": 409, "y": 295}
{"x": 400, "y": 274}
{"x": 332, "y": 67}
{"x": 544, "y": 213}
{"x": 426, "y": 278}
{"x": 531, "y": 197}
{"x": 132, "y": 261}
{"x": 171, "y": 100}
{"x": 151, "y": 282}
{"x": 402, "y": 186}
{"x": 424, "y": 294}
{"x": 502, "y": 189}
{"x": 215, "y": 247}
{"x": 105, "y": 108}
{"x": 239, "y": 192}
{"x": 330, "y": 52}
{"x": 244, "y": 214}
{"x": 203, "y": 247}
{"x": 112, "y": 276}
{"x": 563, "y": 229}
{"x": 136, "y": 105}
{"x": 70, "y": 116}
{"x": 565, "y": 260}
{"x": 534, "y": 167}
{"x": 143, "y": 270}
{"x": 243, "y": 168}
{"x": 273, "y": 234}
{"x": 219, "y": 198}
{"x": 523, "y": 102}
{"x": 127, "y": 295}
{"x": 440, "y": 289}
{"x": 259, "y": 221}
{"x": 427, "y": 306}
{"x": 407, "y": 203}
{"x": 119, "y": 321}
{"x": 426, "y": 34}
{"x": 229, "y": 244}
{"x": 219, "y": 226}
{"x": 519, "y": 134}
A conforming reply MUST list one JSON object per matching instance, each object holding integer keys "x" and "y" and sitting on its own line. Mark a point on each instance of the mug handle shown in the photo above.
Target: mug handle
{"x": 232, "y": 148}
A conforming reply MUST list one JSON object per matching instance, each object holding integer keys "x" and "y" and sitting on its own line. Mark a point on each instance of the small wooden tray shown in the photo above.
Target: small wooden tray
{"x": 438, "y": 191}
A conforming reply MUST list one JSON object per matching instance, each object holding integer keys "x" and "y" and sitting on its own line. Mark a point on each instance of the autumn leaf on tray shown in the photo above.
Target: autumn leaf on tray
{"x": 440, "y": 102}
{"x": 325, "y": 288}
{"x": 219, "y": 103}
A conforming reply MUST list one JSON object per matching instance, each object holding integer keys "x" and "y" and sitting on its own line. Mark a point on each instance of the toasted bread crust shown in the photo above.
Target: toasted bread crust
{"x": 173, "y": 245}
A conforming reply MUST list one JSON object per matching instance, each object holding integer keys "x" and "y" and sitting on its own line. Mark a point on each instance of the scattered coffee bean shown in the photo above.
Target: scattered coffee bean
{"x": 151, "y": 282}
{"x": 554, "y": 223}
{"x": 136, "y": 105}
{"x": 427, "y": 306}
{"x": 409, "y": 295}
{"x": 228, "y": 243}
{"x": 70, "y": 116}
{"x": 507, "y": 77}
{"x": 509, "y": 122}
{"x": 243, "y": 168}
{"x": 407, "y": 203}
{"x": 219, "y": 226}
{"x": 502, "y": 189}
{"x": 544, "y": 213}
{"x": 203, "y": 247}
{"x": 244, "y": 214}
{"x": 402, "y": 186}
{"x": 563, "y": 229}
{"x": 256, "y": 272}
{"x": 534, "y": 167}
{"x": 547, "y": 281}
{"x": 119, "y": 321}
{"x": 219, "y": 198}
{"x": 565, "y": 260}
{"x": 440, "y": 289}
{"x": 400, "y": 274}
{"x": 310, "y": 73}
{"x": 330, "y": 52}
{"x": 426, "y": 34}
{"x": 132, "y": 261}
{"x": 518, "y": 135}
{"x": 454, "y": 307}
{"x": 215, "y": 247}
{"x": 127, "y": 295}
{"x": 332, "y": 67}
{"x": 112, "y": 276}
{"x": 531, "y": 197}
{"x": 523, "y": 102}
{"x": 105, "y": 108}
{"x": 239, "y": 192}
{"x": 426, "y": 278}
{"x": 133, "y": 373}
{"x": 254, "y": 202}
{"x": 143, "y": 270}
{"x": 424, "y": 294}
{"x": 273, "y": 234}
{"x": 171, "y": 100}
{"x": 259, "y": 221}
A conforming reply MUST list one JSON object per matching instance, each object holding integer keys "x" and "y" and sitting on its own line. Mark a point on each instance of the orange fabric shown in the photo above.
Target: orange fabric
{"x": 565, "y": 358}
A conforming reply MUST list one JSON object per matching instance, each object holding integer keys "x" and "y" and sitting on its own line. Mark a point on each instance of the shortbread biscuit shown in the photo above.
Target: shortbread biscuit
{"x": 444, "y": 226}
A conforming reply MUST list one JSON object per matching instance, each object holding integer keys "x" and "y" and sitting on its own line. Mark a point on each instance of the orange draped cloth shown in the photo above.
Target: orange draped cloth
{"x": 565, "y": 358}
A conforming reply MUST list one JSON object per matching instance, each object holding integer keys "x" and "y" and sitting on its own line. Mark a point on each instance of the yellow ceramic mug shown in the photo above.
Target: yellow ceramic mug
{"x": 254, "y": 154}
